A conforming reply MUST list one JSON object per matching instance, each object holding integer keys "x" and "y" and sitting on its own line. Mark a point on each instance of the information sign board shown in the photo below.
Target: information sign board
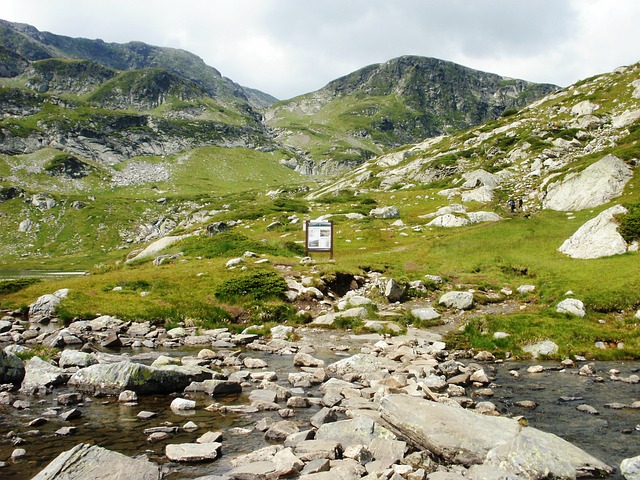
{"x": 319, "y": 236}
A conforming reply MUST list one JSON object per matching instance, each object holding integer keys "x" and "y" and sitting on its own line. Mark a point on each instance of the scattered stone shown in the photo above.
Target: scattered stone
{"x": 193, "y": 452}
{"x": 587, "y": 409}
{"x": 182, "y": 404}
{"x": 546, "y": 347}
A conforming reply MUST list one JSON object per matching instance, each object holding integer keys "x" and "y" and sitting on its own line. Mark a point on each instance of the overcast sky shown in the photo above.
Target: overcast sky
{"x": 290, "y": 47}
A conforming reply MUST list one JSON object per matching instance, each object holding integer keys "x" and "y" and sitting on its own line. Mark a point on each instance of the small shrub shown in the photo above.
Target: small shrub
{"x": 259, "y": 285}
{"x": 629, "y": 223}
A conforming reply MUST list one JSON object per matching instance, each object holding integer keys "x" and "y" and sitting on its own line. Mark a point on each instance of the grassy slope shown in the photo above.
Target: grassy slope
{"x": 485, "y": 257}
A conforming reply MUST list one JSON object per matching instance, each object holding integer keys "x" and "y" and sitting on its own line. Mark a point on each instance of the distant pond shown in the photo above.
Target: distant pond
{"x": 43, "y": 274}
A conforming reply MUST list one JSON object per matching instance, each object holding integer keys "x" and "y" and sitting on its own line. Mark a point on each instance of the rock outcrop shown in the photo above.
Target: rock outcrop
{"x": 493, "y": 444}
{"x": 599, "y": 237}
{"x": 596, "y": 185}
{"x": 114, "y": 378}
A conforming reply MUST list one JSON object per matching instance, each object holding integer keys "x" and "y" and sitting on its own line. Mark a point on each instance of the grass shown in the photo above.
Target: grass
{"x": 230, "y": 184}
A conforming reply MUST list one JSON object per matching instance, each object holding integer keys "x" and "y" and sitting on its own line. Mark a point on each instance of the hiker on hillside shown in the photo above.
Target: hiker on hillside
{"x": 512, "y": 205}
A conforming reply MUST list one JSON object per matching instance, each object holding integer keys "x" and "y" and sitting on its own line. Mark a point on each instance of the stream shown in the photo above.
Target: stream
{"x": 611, "y": 436}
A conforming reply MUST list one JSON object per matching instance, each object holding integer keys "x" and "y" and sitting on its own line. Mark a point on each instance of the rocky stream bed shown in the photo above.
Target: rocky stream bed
{"x": 213, "y": 404}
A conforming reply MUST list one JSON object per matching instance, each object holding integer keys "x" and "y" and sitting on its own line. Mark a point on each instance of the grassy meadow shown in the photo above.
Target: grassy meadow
{"x": 484, "y": 257}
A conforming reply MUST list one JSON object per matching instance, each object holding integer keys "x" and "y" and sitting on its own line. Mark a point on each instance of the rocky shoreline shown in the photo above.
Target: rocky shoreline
{"x": 401, "y": 407}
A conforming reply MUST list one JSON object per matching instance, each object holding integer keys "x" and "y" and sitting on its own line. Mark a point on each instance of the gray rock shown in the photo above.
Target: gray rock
{"x": 630, "y": 468}
{"x": 85, "y": 461}
{"x": 182, "y": 404}
{"x": 457, "y": 300}
{"x": 128, "y": 396}
{"x": 210, "y": 437}
{"x": 598, "y": 237}
{"x": 425, "y": 313}
{"x": 360, "y": 364}
{"x": 44, "y": 307}
{"x": 40, "y": 376}
{"x": 318, "y": 449}
{"x": 112, "y": 379}
{"x": 305, "y": 360}
{"x": 218, "y": 387}
{"x": 449, "y": 220}
{"x": 260, "y": 470}
{"x": 546, "y": 347}
{"x": 385, "y": 212}
{"x": 463, "y": 437}
{"x": 357, "y": 431}
{"x": 11, "y": 368}
{"x": 279, "y": 431}
{"x": 193, "y": 452}
{"x": 323, "y": 416}
{"x": 526, "y": 288}
{"x": 260, "y": 455}
{"x": 393, "y": 291}
{"x": 76, "y": 358}
{"x": 596, "y": 185}
{"x": 571, "y": 306}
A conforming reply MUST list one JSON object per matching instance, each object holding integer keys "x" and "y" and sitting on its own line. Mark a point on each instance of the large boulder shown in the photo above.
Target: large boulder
{"x": 571, "y": 306}
{"x": 449, "y": 220}
{"x": 40, "y": 376}
{"x": 359, "y": 363}
{"x": 44, "y": 307}
{"x": 630, "y": 468}
{"x": 11, "y": 368}
{"x": 464, "y": 437}
{"x": 385, "y": 212}
{"x": 112, "y": 379}
{"x": 598, "y": 237}
{"x": 86, "y": 461}
{"x": 457, "y": 300}
{"x": 596, "y": 185}
{"x": 480, "y": 178}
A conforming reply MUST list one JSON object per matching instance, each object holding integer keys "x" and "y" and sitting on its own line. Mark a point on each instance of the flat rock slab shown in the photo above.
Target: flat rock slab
{"x": 193, "y": 452}
{"x": 114, "y": 378}
{"x": 85, "y": 461}
{"x": 463, "y": 437}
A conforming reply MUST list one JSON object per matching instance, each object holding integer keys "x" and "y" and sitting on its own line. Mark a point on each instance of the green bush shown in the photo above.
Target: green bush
{"x": 257, "y": 285}
{"x": 629, "y": 223}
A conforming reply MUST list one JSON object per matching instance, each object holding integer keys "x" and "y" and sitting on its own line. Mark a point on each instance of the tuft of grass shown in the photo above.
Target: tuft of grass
{"x": 45, "y": 353}
{"x": 13, "y": 286}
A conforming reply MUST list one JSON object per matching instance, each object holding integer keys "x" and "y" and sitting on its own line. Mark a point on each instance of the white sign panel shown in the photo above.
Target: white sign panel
{"x": 319, "y": 237}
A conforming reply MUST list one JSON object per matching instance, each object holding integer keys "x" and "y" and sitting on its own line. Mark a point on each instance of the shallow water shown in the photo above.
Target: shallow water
{"x": 610, "y": 436}
{"x": 42, "y": 274}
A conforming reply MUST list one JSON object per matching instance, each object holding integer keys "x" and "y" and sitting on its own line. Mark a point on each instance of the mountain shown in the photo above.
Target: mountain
{"x": 104, "y": 146}
{"x": 574, "y": 149}
{"x": 32, "y": 44}
{"x": 387, "y": 105}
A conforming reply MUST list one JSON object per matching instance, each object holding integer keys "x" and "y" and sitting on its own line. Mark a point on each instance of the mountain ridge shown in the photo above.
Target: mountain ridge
{"x": 397, "y": 102}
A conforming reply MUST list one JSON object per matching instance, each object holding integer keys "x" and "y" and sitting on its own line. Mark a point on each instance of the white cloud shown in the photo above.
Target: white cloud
{"x": 290, "y": 47}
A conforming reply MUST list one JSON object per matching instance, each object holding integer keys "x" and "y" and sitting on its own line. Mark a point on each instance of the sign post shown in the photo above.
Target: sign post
{"x": 319, "y": 236}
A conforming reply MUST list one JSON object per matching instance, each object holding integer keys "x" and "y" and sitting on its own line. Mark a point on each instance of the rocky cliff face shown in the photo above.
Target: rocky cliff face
{"x": 395, "y": 103}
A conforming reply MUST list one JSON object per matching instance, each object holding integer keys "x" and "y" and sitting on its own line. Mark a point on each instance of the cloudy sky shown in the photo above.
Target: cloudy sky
{"x": 290, "y": 47}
